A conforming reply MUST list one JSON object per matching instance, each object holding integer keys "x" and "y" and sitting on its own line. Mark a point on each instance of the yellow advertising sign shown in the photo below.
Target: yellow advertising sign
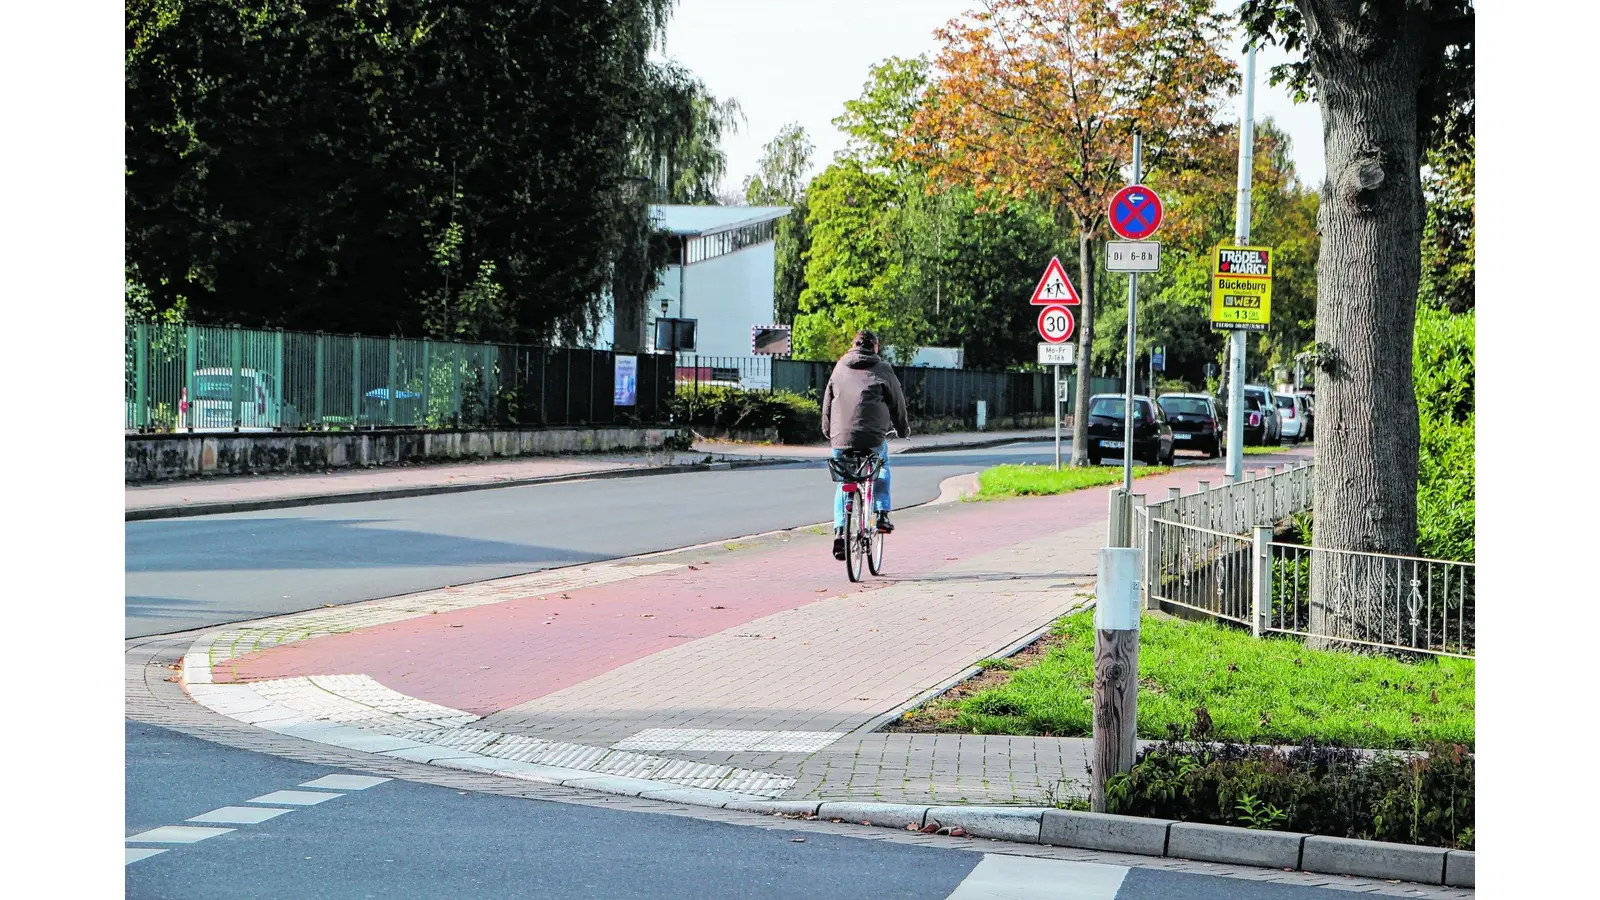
{"x": 1241, "y": 288}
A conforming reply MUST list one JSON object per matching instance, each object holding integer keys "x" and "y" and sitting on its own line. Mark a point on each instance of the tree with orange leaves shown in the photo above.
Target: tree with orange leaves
{"x": 1041, "y": 98}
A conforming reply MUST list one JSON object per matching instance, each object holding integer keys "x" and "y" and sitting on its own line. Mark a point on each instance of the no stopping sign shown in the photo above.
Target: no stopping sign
{"x": 1055, "y": 324}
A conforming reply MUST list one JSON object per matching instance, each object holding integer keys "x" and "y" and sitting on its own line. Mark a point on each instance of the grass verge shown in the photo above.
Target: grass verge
{"x": 1032, "y": 481}
{"x": 1269, "y": 451}
{"x": 1208, "y": 680}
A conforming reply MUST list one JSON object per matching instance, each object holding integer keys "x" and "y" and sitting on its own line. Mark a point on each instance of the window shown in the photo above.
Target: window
{"x": 1184, "y": 406}
{"x": 711, "y": 246}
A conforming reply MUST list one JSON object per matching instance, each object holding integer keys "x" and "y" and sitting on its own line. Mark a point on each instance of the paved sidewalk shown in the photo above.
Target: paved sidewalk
{"x": 752, "y": 666}
{"x": 216, "y": 494}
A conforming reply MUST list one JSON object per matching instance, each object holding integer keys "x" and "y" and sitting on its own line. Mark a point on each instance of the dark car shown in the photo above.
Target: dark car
{"x": 1152, "y": 435}
{"x": 1255, "y": 422}
{"x": 1196, "y": 425}
{"x": 1267, "y": 405}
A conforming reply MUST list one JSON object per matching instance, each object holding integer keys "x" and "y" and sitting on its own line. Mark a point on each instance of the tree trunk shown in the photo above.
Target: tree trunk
{"x": 1085, "y": 312}
{"x": 1366, "y": 64}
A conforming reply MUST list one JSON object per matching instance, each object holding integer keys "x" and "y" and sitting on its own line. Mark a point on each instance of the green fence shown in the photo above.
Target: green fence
{"x": 201, "y": 378}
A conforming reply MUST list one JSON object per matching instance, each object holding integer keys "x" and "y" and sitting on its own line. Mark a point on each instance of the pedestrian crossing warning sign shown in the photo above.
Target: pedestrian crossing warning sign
{"x": 1241, "y": 288}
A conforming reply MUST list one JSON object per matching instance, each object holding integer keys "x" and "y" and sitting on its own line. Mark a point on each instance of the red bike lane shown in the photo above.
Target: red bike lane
{"x": 489, "y": 658}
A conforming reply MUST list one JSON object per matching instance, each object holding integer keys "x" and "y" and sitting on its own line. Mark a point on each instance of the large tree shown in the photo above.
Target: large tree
{"x": 1393, "y": 78}
{"x": 1040, "y": 99}
{"x": 464, "y": 169}
{"x": 782, "y": 175}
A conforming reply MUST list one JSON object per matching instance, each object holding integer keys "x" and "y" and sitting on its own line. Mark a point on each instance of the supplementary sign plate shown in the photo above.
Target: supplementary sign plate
{"x": 1054, "y": 289}
{"x": 1133, "y": 256}
{"x": 1241, "y": 288}
{"x": 1055, "y": 324}
{"x": 1058, "y": 354}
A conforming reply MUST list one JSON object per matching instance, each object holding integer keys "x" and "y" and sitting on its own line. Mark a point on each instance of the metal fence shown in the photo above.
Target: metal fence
{"x": 930, "y": 392}
{"x": 1213, "y": 552}
{"x": 1379, "y": 600}
{"x": 202, "y": 378}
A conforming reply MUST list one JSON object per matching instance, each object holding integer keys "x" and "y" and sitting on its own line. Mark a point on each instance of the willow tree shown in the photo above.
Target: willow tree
{"x": 1040, "y": 99}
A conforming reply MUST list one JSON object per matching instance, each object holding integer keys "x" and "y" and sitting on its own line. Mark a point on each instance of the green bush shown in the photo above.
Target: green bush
{"x": 798, "y": 419}
{"x": 1443, "y": 370}
{"x": 1413, "y": 799}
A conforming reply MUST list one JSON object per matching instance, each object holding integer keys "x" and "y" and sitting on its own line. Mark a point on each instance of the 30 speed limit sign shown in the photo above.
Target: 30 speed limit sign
{"x": 1055, "y": 324}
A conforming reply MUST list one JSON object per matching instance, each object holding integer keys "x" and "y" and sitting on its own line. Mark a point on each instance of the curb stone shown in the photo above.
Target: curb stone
{"x": 1104, "y": 831}
{"x": 1242, "y": 846}
{"x": 1458, "y": 869}
{"x": 1374, "y": 859}
{"x": 188, "y": 510}
{"x": 888, "y": 815}
{"x": 1004, "y": 823}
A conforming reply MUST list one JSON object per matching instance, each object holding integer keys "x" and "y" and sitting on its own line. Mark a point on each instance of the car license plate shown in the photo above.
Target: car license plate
{"x": 1182, "y": 437}
{"x": 1113, "y": 445}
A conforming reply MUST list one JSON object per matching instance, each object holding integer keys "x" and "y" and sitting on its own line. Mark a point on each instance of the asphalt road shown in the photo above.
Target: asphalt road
{"x": 211, "y": 570}
{"x": 398, "y": 839}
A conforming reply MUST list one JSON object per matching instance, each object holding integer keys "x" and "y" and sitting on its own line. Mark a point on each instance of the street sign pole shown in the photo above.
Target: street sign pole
{"x": 1133, "y": 303}
{"x": 1057, "y": 401}
{"x": 1241, "y": 235}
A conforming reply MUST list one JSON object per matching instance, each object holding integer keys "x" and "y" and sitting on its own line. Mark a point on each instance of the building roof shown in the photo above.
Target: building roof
{"x": 697, "y": 220}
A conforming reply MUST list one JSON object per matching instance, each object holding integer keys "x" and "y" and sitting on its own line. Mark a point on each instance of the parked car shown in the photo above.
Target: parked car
{"x": 211, "y": 407}
{"x": 1292, "y": 412}
{"x": 1196, "y": 424}
{"x": 1268, "y": 408}
{"x": 1311, "y": 413}
{"x": 1255, "y": 422}
{"x": 1152, "y": 434}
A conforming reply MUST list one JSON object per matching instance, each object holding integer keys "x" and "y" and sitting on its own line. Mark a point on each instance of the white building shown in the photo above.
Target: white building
{"x": 721, "y": 276}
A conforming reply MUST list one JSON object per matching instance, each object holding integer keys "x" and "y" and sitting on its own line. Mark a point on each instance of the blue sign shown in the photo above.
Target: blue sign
{"x": 1135, "y": 212}
{"x": 1159, "y": 359}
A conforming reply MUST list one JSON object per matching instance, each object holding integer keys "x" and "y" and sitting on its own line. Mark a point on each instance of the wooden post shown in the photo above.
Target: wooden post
{"x": 1116, "y": 668}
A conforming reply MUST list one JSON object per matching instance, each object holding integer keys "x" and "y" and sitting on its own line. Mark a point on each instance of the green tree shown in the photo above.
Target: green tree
{"x": 1449, "y": 235}
{"x": 402, "y": 166}
{"x": 780, "y": 179}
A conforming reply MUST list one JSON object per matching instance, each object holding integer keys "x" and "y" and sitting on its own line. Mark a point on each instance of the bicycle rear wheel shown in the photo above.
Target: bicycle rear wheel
{"x": 852, "y": 539}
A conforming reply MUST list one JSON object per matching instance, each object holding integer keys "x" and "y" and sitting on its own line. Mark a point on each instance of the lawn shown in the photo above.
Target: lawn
{"x": 1268, "y": 451}
{"x": 1021, "y": 481}
{"x": 1270, "y": 690}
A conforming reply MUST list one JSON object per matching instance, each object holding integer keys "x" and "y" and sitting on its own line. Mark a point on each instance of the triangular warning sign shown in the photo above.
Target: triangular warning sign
{"x": 1054, "y": 289}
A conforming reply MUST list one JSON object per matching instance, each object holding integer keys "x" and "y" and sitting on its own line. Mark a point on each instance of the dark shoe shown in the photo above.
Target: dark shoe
{"x": 884, "y": 525}
{"x": 838, "y": 544}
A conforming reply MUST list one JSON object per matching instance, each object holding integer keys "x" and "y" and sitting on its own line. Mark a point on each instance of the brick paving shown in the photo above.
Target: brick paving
{"x": 763, "y": 635}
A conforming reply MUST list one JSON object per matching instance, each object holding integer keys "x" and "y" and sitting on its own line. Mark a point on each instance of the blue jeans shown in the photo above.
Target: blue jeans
{"x": 880, "y": 488}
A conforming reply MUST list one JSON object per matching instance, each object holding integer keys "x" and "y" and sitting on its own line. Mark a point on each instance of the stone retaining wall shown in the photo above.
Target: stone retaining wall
{"x": 162, "y": 457}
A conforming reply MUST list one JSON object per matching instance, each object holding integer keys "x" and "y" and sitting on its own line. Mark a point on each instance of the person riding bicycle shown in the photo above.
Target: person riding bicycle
{"x": 863, "y": 402}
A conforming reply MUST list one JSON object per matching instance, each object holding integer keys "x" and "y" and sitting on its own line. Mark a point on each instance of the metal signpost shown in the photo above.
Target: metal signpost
{"x": 1056, "y": 324}
{"x": 1241, "y": 237}
{"x": 1135, "y": 214}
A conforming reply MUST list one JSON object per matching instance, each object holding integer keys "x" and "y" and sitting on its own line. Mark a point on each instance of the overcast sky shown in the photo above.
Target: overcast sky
{"x": 799, "y": 60}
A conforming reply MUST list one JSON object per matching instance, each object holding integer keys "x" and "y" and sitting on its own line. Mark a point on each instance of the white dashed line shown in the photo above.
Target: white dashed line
{"x": 239, "y": 815}
{"x": 176, "y": 834}
{"x": 345, "y": 782}
{"x": 294, "y": 798}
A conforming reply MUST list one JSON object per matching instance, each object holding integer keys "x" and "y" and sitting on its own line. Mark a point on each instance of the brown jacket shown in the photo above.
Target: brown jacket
{"x": 862, "y": 402}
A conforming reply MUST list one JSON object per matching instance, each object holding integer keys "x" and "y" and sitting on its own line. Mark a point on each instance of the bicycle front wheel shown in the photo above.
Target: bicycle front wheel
{"x": 875, "y": 549}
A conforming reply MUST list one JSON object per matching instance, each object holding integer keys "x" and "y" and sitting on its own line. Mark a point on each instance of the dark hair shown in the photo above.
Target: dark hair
{"x": 866, "y": 339}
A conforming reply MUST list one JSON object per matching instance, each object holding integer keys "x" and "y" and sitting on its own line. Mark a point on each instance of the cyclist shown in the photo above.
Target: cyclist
{"x": 862, "y": 403}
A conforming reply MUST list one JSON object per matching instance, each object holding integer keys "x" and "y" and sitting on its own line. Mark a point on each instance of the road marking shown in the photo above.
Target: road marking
{"x": 137, "y": 853}
{"x": 345, "y": 782}
{"x": 177, "y": 834}
{"x": 1000, "y": 877}
{"x": 294, "y": 798}
{"x": 727, "y": 741}
{"x": 238, "y": 815}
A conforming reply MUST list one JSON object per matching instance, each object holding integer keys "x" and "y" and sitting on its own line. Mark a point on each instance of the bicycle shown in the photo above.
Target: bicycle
{"x": 855, "y": 471}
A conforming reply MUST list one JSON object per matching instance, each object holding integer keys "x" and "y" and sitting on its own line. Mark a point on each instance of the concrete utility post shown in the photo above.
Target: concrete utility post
{"x": 1241, "y": 237}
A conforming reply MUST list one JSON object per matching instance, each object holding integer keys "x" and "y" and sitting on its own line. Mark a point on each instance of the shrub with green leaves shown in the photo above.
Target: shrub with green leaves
{"x": 1443, "y": 371}
{"x": 1424, "y": 798}
{"x": 798, "y": 419}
